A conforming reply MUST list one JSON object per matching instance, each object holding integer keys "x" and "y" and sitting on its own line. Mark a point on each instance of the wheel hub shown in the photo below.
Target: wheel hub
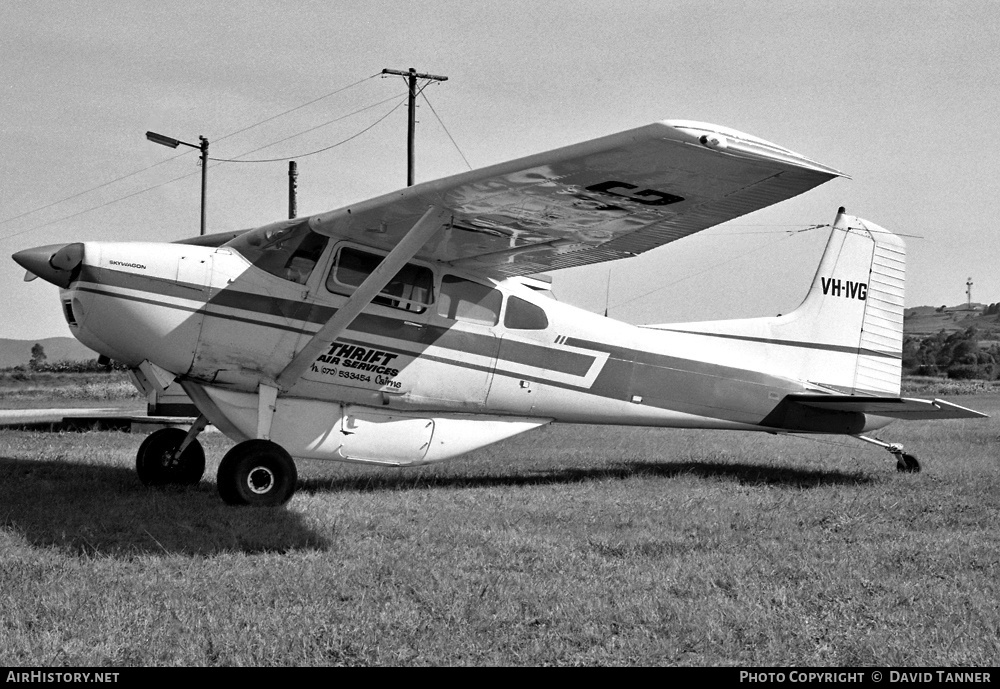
{"x": 260, "y": 480}
{"x": 170, "y": 459}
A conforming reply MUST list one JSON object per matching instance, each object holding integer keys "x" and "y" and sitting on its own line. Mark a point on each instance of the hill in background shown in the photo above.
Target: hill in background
{"x": 921, "y": 321}
{"x": 18, "y": 352}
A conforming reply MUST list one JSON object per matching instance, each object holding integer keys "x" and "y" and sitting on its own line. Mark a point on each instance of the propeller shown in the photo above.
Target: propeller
{"x": 55, "y": 263}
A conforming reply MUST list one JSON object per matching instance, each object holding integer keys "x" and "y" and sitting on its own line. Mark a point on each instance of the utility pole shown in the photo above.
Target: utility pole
{"x": 293, "y": 175}
{"x": 204, "y": 180}
{"x": 412, "y": 129}
{"x": 968, "y": 291}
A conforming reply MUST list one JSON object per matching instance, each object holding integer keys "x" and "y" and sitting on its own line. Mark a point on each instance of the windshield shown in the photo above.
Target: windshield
{"x": 288, "y": 250}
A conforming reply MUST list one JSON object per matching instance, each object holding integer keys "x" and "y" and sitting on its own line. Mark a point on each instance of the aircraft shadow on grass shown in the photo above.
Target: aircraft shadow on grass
{"x": 743, "y": 473}
{"x": 94, "y": 510}
{"x": 105, "y": 511}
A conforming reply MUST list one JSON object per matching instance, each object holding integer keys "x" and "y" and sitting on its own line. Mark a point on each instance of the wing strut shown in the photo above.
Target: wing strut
{"x": 407, "y": 248}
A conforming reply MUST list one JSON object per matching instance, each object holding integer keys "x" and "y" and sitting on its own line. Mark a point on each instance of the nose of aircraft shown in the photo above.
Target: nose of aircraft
{"x": 53, "y": 263}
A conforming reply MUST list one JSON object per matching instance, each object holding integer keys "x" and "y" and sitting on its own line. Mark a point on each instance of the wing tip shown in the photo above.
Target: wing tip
{"x": 737, "y": 142}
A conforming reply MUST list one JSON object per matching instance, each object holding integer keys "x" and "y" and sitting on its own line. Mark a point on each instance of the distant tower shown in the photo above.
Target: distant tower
{"x": 968, "y": 291}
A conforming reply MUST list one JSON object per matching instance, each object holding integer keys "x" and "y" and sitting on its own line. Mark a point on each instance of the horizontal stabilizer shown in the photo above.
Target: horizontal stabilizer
{"x": 893, "y": 407}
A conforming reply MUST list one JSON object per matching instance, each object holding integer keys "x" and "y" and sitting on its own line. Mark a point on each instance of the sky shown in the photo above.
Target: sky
{"x": 901, "y": 96}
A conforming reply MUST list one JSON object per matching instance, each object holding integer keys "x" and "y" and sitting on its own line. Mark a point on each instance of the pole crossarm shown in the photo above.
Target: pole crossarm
{"x": 412, "y": 72}
{"x": 429, "y": 223}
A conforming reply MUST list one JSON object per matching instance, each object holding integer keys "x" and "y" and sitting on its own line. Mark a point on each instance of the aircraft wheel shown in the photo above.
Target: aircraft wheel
{"x": 257, "y": 473}
{"x": 907, "y": 463}
{"x": 156, "y": 465}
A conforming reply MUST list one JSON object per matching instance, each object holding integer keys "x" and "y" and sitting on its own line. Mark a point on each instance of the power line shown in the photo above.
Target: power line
{"x": 167, "y": 160}
{"x": 788, "y": 235}
{"x": 94, "y": 208}
{"x": 156, "y": 186}
{"x": 441, "y": 122}
{"x": 710, "y": 267}
{"x": 299, "y": 107}
{"x": 87, "y": 191}
{"x": 304, "y": 155}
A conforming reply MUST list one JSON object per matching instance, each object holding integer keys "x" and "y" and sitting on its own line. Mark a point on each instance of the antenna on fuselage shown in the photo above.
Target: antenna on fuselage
{"x": 607, "y": 294}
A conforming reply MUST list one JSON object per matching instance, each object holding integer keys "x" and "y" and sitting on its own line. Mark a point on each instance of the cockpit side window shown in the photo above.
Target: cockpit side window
{"x": 465, "y": 300}
{"x": 523, "y": 315}
{"x": 288, "y": 250}
{"x": 411, "y": 289}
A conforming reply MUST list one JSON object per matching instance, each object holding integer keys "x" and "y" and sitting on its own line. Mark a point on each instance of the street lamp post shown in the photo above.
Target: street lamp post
{"x": 173, "y": 143}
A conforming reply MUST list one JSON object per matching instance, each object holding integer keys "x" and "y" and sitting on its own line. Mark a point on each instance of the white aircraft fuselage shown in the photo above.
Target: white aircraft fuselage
{"x": 402, "y": 330}
{"x": 223, "y": 326}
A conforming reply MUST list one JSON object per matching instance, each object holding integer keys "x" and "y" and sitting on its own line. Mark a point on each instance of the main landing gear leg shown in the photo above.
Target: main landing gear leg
{"x": 904, "y": 462}
{"x": 258, "y": 472}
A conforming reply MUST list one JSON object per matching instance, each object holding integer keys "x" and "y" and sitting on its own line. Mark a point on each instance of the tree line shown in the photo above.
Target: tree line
{"x": 40, "y": 363}
{"x": 960, "y": 355}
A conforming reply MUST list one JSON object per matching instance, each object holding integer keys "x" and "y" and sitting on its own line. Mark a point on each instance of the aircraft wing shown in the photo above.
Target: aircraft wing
{"x": 894, "y": 407}
{"x": 600, "y": 200}
{"x": 217, "y": 239}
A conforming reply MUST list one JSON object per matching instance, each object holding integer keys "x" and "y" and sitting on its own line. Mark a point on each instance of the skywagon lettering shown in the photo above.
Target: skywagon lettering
{"x": 847, "y": 289}
{"x": 126, "y": 264}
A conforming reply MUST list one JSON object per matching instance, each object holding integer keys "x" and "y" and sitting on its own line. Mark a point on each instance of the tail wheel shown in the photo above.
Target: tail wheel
{"x": 258, "y": 473}
{"x": 157, "y": 464}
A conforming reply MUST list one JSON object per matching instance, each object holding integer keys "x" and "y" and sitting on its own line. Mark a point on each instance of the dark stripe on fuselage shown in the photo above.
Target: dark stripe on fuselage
{"x": 422, "y": 335}
{"x": 788, "y": 343}
{"x": 686, "y": 385}
{"x": 201, "y": 310}
{"x": 661, "y": 381}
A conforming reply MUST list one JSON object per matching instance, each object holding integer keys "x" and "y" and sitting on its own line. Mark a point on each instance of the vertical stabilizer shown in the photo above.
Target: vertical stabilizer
{"x": 847, "y": 335}
{"x": 854, "y": 307}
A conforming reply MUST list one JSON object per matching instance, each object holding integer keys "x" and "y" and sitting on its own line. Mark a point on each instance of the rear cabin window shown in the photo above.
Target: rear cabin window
{"x": 465, "y": 300}
{"x": 287, "y": 250}
{"x": 523, "y": 315}
{"x": 411, "y": 289}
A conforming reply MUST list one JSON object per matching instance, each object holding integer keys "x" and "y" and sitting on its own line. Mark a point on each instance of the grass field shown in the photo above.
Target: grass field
{"x": 35, "y": 390}
{"x": 570, "y": 545}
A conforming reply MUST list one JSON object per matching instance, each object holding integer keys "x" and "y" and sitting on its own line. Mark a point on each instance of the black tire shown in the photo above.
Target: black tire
{"x": 257, "y": 473}
{"x": 155, "y": 463}
{"x": 907, "y": 463}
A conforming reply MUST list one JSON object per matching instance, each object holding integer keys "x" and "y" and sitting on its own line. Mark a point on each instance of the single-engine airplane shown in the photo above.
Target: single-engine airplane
{"x": 409, "y": 328}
